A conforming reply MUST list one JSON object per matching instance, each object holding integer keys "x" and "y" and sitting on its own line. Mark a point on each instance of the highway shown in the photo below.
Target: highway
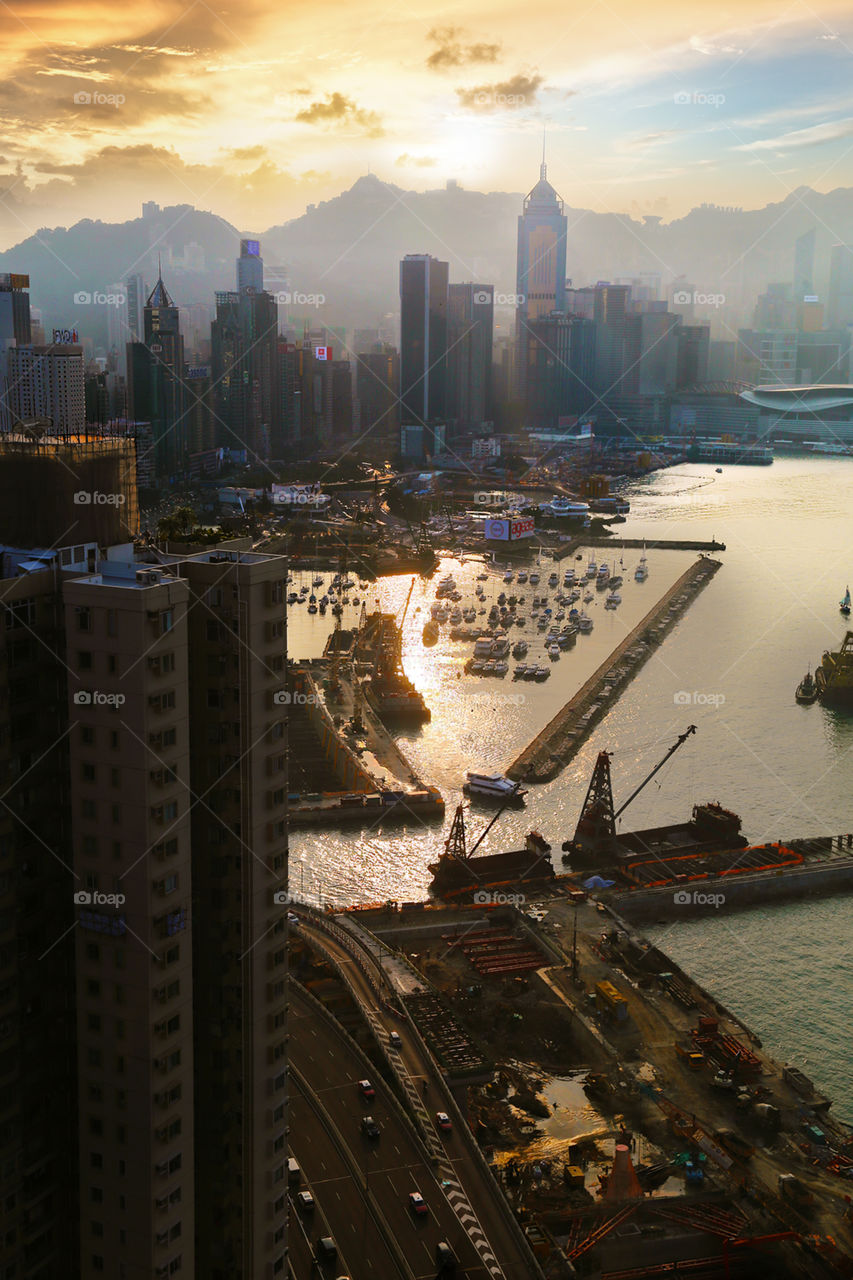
{"x": 474, "y": 1216}
{"x": 362, "y": 1191}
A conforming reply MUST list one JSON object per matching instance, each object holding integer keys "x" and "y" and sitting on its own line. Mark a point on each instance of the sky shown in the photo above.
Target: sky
{"x": 254, "y": 111}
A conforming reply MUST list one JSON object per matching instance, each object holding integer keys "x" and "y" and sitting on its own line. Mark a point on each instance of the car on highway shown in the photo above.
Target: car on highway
{"x": 366, "y": 1089}
{"x": 325, "y": 1250}
{"x": 443, "y": 1121}
{"x": 294, "y": 1173}
{"x": 369, "y": 1127}
{"x": 445, "y": 1259}
{"x": 417, "y": 1204}
{"x": 305, "y": 1201}
{"x": 395, "y": 1041}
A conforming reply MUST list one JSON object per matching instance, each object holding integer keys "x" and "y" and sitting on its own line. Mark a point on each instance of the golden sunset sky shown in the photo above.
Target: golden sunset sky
{"x": 255, "y": 109}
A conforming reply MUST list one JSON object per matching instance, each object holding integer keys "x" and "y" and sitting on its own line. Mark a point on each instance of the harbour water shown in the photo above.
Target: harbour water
{"x": 730, "y": 666}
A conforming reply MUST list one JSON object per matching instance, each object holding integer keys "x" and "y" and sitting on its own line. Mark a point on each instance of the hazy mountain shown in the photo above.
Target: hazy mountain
{"x": 348, "y": 250}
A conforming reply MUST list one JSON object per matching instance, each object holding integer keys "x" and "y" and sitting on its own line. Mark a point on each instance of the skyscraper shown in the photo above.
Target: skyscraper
{"x": 469, "y": 354}
{"x": 804, "y": 248}
{"x": 48, "y": 382}
{"x": 14, "y": 311}
{"x": 839, "y": 311}
{"x": 155, "y": 375}
{"x": 541, "y": 260}
{"x": 423, "y": 342}
{"x": 250, "y": 267}
{"x": 244, "y": 351}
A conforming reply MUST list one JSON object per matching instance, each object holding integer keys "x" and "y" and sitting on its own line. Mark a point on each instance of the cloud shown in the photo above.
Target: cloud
{"x": 649, "y": 138}
{"x": 710, "y": 49}
{"x": 339, "y": 109}
{"x": 508, "y": 95}
{"x": 421, "y": 162}
{"x": 451, "y": 51}
{"x": 817, "y": 135}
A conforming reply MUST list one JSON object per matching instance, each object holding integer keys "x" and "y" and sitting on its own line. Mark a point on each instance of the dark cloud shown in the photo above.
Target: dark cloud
{"x": 453, "y": 52}
{"x": 508, "y": 95}
{"x": 339, "y": 109}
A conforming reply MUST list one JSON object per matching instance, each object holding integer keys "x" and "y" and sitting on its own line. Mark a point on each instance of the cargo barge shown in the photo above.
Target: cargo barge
{"x": 458, "y": 869}
{"x": 834, "y": 676}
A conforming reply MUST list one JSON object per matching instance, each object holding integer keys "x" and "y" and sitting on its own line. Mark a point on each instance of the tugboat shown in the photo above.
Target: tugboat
{"x": 807, "y": 689}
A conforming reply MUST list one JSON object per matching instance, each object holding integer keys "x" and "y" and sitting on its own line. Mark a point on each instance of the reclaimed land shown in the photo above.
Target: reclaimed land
{"x": 553, "y": 748}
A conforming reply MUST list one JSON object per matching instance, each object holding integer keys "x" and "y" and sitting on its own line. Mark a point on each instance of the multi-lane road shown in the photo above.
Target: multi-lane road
{"x": 361, "y": 1186}
{"x": 463, "y": 1211}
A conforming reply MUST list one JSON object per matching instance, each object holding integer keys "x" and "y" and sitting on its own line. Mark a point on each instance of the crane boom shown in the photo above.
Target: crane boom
{"x": 681, "y": 739}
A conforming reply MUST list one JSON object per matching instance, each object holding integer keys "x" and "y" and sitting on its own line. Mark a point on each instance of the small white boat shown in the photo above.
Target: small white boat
{"x": 522, "y": 576}
{"x": 584, "y": 624}
{"x": 534, "y": 579}
{"x": 591, "y": 569}
{"x": 508, "y": 576}
{"x": 553, "y": 652}
{"x": 501, "y": 667}
{"x": 642, "y": 570}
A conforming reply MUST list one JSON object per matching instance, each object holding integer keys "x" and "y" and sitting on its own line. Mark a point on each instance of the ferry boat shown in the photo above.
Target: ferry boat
{"x": 564, "y": 508}
{"x": 807, "y": 689}
{"x": 834, "y": 676}
{"x": 493, "y": 786}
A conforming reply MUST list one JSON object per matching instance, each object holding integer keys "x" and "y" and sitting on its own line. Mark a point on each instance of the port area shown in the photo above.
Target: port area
{"x": 635, "y": 1125}
{"x": 555, "y": 745}
{"x": 343, "y": 773}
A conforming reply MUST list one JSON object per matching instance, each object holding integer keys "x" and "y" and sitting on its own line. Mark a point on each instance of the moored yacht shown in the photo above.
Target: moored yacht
{"x": 493, "y": 786}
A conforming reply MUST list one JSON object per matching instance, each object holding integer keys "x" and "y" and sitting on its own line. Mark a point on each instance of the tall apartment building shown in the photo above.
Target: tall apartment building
{"x": 48, "y": 382}
{"x": 470, "y": 334}
{"x": 142, "y": 844}
{"x": 423, "y": 343}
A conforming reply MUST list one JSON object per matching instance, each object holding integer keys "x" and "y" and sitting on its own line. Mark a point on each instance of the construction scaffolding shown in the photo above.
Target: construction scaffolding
{"x": 56, "y": 491}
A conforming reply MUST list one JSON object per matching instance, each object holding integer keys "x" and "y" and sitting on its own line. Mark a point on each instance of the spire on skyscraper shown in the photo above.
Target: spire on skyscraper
{"x": 543, "y": 168}
{"x": 158, "y": 296}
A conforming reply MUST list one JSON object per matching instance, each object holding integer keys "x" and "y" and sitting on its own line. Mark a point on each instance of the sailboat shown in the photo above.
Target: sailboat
{"x": 641, "y": 572}
{"x": 844, "y": 605}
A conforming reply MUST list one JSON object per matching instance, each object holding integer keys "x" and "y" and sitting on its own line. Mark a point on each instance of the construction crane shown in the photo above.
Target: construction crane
{"x": 595, "y": 833}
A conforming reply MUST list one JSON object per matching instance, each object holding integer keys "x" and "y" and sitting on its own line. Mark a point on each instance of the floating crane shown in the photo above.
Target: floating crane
{"x": 595, "y": 833}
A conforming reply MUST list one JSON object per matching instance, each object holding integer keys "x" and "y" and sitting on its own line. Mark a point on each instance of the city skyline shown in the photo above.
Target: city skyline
{"x": 189, "y": 106}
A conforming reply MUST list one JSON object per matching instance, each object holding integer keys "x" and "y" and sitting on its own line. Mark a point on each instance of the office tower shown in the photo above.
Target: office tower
{"x": 804, "y": 248}
{"x": 766, "y": 357}
{"x": 839, "y": 309}
{"x": 135, "y": 293}
{"x": 342, "y": 400}
{"x": 156, "y": 381}
{"x": 364, "y": 341}
{"x": 776, "y": 309}
{"x": 49, "y": 383}
{"x": 540, "y": 261}
{"x": 118, "y": 334}
{"x": 14, "y": 311}
{"x": 693, "y": 350}
{"x": 559, "y": 356}
{"x": 201, "y": 427}
{"x": 37, "y": 328}
{"x": 470, "y": 331}
{"x": 377, "y": 377}
{"x": 423, "y": 343}
{"x": 244, "y": 358}
{"x": 823, "y": 356}
{"x": 284, "y": 443}
{"x": 250, "y": 267}
{"x": 148, "y": 838}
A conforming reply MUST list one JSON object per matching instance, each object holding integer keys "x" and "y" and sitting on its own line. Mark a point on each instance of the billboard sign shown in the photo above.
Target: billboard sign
{"x": 64, "y": 337}
{"x": 523, "y": 527}
{"x": 497, "y": 530}
{"x": 322, "y": 353}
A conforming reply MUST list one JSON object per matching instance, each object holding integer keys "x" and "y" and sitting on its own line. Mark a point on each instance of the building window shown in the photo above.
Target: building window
{"x": 87, "y": 735}
{"x": 84, "y": 660}
{"x": 88, "y": 772}
{"x": 167, "y": 621}
{"x": 112, "y": 622}
{"x": 84, "y": 618}
{"x": 112, "y": 664}
{"x": 89, "y": 809}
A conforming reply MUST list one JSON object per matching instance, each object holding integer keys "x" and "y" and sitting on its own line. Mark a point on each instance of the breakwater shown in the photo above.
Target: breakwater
{"x": 552, "y": 748}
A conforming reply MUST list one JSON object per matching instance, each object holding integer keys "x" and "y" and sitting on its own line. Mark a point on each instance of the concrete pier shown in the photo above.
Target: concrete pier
{"x": 552, "y": 748}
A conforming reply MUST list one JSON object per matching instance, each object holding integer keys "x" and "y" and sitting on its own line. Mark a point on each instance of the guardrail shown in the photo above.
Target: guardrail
{"x": 498, "y": 1197}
